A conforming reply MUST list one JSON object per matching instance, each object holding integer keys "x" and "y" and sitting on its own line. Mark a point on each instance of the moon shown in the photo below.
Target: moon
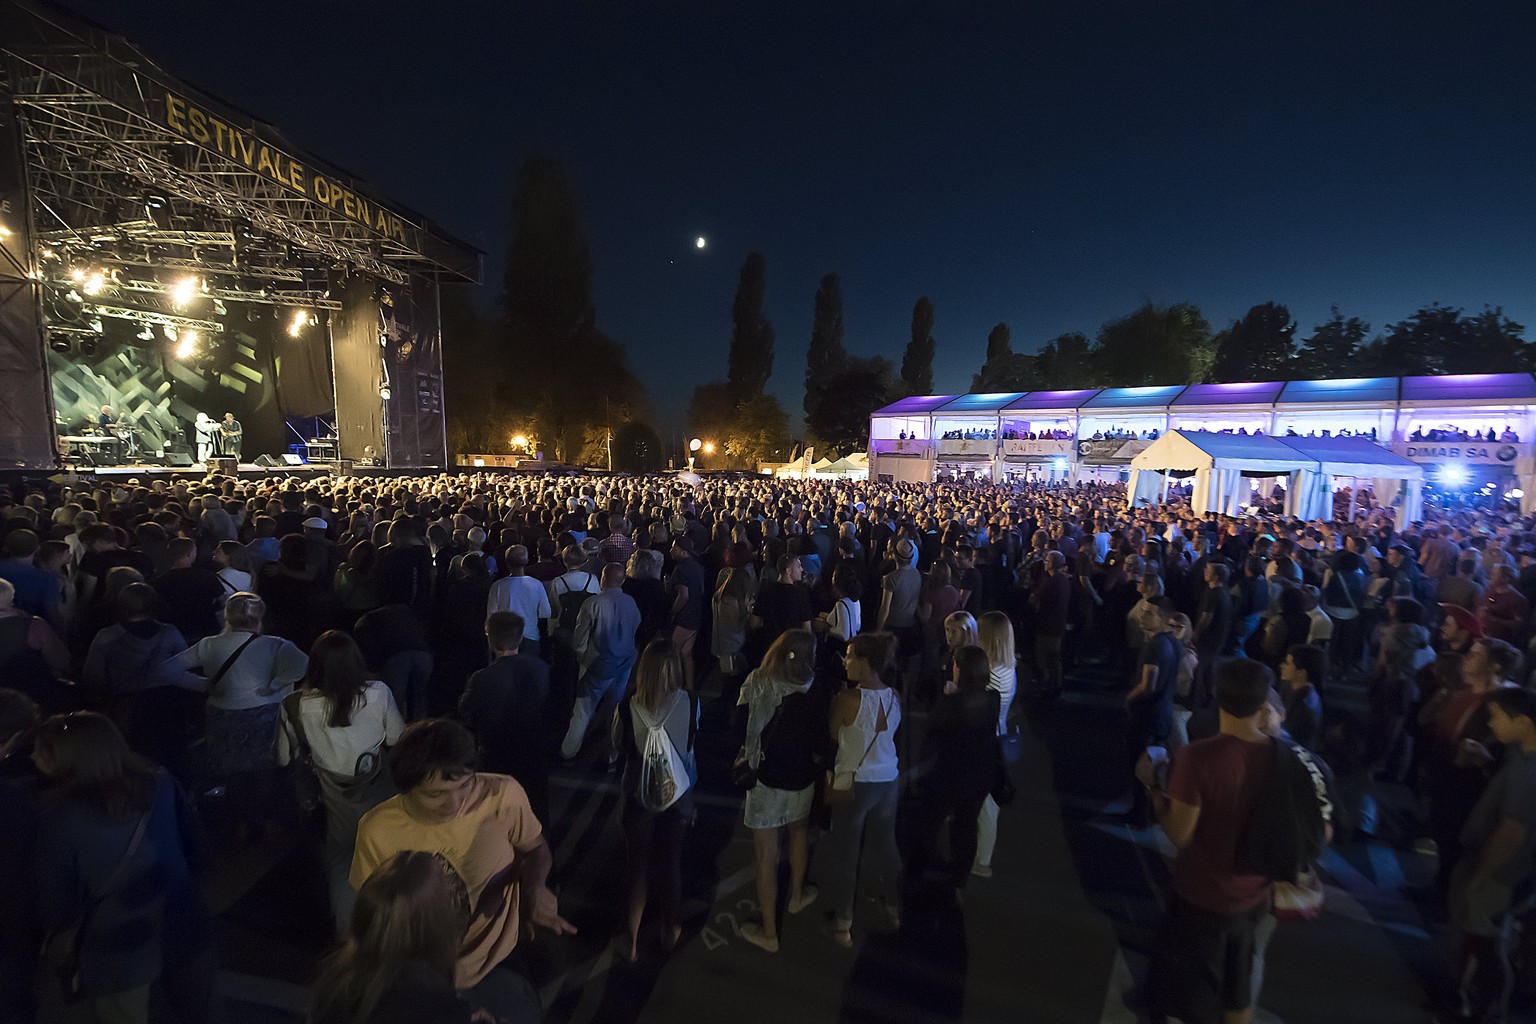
{"x": 700, "y": 242}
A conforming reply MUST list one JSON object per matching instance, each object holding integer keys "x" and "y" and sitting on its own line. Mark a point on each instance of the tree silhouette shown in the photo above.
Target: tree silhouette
{"x": 826, "y": 355}
{"x": 1334, "y": 349}
{"x": 917, "y": 360}
{"x": 1260, "y": 346}
{"x": 750, "y": 362}
{"x": 1155, "y": 345}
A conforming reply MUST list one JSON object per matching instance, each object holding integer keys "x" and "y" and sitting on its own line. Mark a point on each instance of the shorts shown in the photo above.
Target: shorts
{"x": 684, "y": 638}
{"x": 1482, "y": 907}
{"x": 768, "y": 807}
{"x": 1203, "y": 963}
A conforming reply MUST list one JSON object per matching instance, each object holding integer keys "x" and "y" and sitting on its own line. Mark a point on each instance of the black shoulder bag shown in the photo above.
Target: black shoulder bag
{"x": 230, "y": 661}
{"x": 61, "y": 948}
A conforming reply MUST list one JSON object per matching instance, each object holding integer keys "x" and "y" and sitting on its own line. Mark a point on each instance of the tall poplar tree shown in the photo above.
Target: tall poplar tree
{"x": 750, "y": 362}
{"x": 917, "y": 360}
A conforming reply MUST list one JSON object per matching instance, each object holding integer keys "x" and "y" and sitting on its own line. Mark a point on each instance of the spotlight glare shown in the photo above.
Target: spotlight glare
{"x": 186, "y": 345}
{"x": 384, "y": 392}
{"x": 184, "y": 291}
{"x": 300, "y": 318}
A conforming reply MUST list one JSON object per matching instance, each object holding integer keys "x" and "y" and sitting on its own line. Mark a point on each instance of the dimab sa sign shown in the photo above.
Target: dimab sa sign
{"x": 1473, "y": 453}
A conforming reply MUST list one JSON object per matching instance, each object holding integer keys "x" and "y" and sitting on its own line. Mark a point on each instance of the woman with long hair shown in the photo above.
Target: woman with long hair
{"x": 863, "y": 725}
{"x": 783, "y": 738}
{"x": 997, "y": 640}
{"x": 653, "y": 837}
{"x": 339, "y": 725}
{"x": 957, "y": 769}
{"x": 732, "y": 607}
{"x": 398, "y": 958}
{"x": 117, "y": 849}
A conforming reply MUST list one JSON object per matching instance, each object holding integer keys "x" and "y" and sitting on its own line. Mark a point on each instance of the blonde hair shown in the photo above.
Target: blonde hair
{"x": 658, "y": 674}
{"x": 959, "y": 630}
{"x": 790, "y": 657}
{"x": 243, "y": 612}
{"x": 995, "y": 632}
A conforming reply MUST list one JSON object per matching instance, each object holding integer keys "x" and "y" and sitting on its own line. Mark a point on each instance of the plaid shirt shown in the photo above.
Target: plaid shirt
{"x": 616, "y": 547}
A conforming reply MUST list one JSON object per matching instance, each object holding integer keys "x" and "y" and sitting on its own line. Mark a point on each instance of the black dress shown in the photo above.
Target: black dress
{"x": 957, "y": 768}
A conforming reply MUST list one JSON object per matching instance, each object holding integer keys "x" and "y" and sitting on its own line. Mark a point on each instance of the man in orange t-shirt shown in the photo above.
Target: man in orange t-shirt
{"x": 482, "y": 830}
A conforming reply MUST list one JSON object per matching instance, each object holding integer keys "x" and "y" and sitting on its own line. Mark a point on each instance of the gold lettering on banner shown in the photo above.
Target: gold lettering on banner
{"x": 242, "y": 147}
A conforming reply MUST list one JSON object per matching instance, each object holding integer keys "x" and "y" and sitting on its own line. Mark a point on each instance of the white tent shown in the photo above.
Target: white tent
{"x": 1220, "y": 462}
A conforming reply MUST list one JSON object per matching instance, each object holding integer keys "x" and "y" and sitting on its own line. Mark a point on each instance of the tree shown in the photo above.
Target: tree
{"x": 549, "y": 323}
{"x": 636, "y": 448}
{"x": 1260, "y": 346}
{"x": 711, "y": 410}
{"x": 1066, "y": 362}
{"x": 917, "y": 360}
{"x": 758, "y": 433}
{"x": 1005, "y": 369}
{"x": 1420, "y": 344}
{"x": 1490, "y": 343}
{"x": 863, "y": 386}
{"x": 1335, "y": 348}
{"x": 1155, "y": 345}
{"x": 750, "y": 362}
{"x": 824, "y": 359}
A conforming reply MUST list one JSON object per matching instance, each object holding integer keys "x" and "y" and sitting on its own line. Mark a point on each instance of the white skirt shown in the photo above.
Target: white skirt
{"x": 774, "y": 808}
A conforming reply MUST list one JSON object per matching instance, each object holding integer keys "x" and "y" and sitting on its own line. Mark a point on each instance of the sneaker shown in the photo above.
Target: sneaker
{"x": 808, "y": 894}
{"x": 752, "y": 931}
{"x": 981, "y": 870}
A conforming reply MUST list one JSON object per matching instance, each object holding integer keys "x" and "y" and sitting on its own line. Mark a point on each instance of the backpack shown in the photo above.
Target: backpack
{"x": 663, "y": 776}
{"x": 571, "y": 602}
{"x": 1287, "y": 828}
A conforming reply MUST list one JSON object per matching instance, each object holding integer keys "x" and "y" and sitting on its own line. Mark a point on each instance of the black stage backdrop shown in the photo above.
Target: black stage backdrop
{"x": 26, "y": 434}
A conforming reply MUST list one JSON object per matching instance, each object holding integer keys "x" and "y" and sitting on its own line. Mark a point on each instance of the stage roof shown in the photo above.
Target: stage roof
{"x": 107, "y": 127}
{"x": 982, "y": 403}
{"x": 1230, "y": 394}
{"x": 1150, "y": 399}
{"x": 917, "y": 405}
{"x": 1046, "y": 401}
{"x": 1366, "y": 390}
{"x": 1470, "y": 387}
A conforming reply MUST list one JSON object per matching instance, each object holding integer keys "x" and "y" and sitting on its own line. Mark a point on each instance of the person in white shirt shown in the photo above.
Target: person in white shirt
{"x": 339, "y": 725}
{"x": 996, "y": 638}
{"x": 517, "y": 592}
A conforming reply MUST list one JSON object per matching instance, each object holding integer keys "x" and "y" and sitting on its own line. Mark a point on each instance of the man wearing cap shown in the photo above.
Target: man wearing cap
{"x": 320, "y": 554}
{"x": 517, "y": 592}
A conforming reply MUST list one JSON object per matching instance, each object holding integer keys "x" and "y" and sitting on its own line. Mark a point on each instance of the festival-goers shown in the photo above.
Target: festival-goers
{"x": 1045, "y": 568}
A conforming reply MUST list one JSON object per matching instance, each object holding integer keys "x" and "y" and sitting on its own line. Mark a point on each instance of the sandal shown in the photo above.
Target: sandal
{"x": 843, "y": 934}
{"x": 753, "y": 932}
{"x": 808, "y": 894}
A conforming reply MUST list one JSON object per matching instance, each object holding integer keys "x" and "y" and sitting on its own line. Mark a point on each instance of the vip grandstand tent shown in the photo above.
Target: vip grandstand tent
{"x": 1221, "y": 462}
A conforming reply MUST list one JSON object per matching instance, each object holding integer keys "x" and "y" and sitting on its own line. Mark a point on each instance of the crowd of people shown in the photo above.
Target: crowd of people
{"x": 1451, "y": 433}
{"x": 399, "y": 663}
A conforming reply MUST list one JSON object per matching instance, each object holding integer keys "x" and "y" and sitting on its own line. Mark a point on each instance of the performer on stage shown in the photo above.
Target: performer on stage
{"x": 231, "y": 430}
{"x": 106, "y": 420}
{"x": 206, "y": 431}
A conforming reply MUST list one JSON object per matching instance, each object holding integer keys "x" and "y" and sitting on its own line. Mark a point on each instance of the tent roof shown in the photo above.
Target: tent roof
{"x": 1373, "y": 390}
{"x": 1149, "y": 398}
{"x": 1230, "y": 394}
{"x": 1045, "y": 401}
{"x": 1470, "y": 387}
{"x": 1333, "y": 456}
{"x": 917, "y": 404}
{"x": 1201, "y": 449}
{"x": 981, "y": 403}
{"x": 1355, "y": 456}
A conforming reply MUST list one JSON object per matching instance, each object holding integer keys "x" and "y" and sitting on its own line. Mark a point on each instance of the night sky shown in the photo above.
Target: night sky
{"x": 1049, "y": 170}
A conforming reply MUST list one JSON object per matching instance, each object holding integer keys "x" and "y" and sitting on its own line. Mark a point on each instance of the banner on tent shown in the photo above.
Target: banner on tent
{"x": 1467, "y": 453}
{"x": 973, "y": 448}
{"x": 1112, "y": 449}
{"x": 1021, "y": 449}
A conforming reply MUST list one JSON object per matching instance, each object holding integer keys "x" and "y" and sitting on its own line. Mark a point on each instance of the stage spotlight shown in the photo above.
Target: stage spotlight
{"x": 88, "y": 346}
{"x": 59, "y": 343}
{"x": 155, "y": 201}
{"x": 385, "y": 393}
{"x": 186, "y": 345}
{"x": 300, "y": 318}
{"x": 147, "y": 334}
{"x": 184, "y": 291}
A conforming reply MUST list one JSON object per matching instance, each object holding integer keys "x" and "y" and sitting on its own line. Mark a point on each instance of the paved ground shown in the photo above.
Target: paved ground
{"x": 1056, "y": 936}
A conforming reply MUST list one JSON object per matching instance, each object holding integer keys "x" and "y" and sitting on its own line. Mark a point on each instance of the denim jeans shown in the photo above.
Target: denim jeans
{"x": 871, "y": 814}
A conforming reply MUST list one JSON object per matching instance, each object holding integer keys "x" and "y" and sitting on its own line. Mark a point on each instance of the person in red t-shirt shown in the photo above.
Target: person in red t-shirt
{"x": 1202, "y": 969}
